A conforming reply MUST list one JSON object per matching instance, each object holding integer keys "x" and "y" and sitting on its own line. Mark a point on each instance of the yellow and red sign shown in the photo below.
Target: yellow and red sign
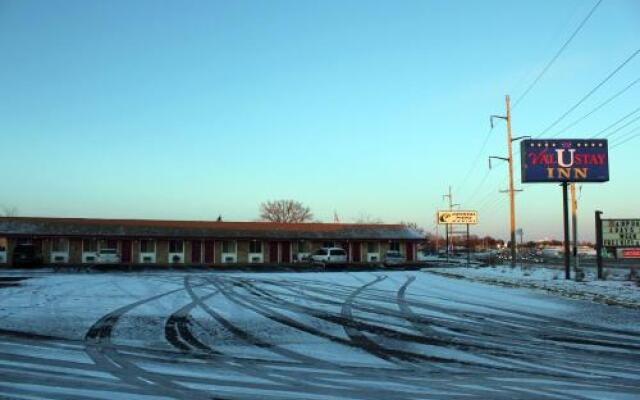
{"x": 457, "y": 217}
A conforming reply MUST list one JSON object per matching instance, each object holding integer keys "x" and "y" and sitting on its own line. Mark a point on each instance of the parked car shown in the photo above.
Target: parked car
{"x": 25, "y": 255}
{"x": 108, "y": 256}
{"x": 394, "y": 257}
{"x": 330, "y": 255}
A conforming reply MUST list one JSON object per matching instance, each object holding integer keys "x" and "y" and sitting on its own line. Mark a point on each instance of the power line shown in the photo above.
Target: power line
{"x": 555, "y": 57}
{"x": 616, "y": 122}
{"x": 476, "y": 190}
{"x": 604, "y": 103}
{"x": 470, "y": 170}
{"x": 622, "y": 127}
{"x": 626, "y": 140}
{"x": 592, "y": 91}
{"x": 627, "y": 134}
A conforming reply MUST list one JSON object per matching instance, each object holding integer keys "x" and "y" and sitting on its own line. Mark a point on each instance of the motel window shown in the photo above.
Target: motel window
{"x": 25, "y": 241}
{"x": 327, "y": 244}
{"x": 303, "y": 246}
{"x": 89, "y": 245}
{"x": 394, "y": 246}
{"x": 228, "y": 246}
{"x": 108, "y": 244}
{"x": 176, "y": 246}
{"x": 60, "y": 244}
{"x": 147, "y": 246}
{"x": 3, "y": 244}
{"x": 255, "y": 246}
{"x": 372, "y": 247}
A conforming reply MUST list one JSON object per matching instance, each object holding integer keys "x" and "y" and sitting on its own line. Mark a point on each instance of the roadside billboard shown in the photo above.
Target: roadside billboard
{"x": 621, "y": 232}
{"x": 457, "y": 217}
{"x": 564, "y": 160}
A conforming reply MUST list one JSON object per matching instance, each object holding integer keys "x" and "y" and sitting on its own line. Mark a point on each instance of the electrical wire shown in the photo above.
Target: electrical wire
{"x": 616, "y": 122}
{"x": 558, "y": 53}
{"x": 622, "y": 127}
{"x": 626, "y": 135}
{"x": 598, "y": 107}
{"x": 480, "y": 152}
{"x": 592, "y": 91}
{"x": 476, "y": 190}
{"x": 625, "y": 141}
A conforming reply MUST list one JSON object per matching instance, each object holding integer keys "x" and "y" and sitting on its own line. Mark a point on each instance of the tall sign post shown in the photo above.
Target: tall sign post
{"x": 574, "y": 227}
{"x": 565, "y": 222}
{"x": 564, "y": 161}
{"x": 599, "y": 244}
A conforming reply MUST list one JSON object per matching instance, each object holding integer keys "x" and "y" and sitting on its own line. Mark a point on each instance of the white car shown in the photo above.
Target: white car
{"x": 394, "y": 257}
{"x": 330, "y": 255}
{"x": 108, "y": 256}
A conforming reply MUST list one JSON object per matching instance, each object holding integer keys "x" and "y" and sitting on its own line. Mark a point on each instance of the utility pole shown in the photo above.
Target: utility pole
{"x": 512, "y": 201}
{"x": 447, "y": 226}
{"x": 511, "y": 191}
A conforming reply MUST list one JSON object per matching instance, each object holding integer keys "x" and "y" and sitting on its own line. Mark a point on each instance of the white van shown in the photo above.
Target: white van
{"x": 330, "y": 255}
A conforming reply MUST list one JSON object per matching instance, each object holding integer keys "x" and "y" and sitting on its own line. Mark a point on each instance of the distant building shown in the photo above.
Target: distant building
{"x": 80, "y": 241}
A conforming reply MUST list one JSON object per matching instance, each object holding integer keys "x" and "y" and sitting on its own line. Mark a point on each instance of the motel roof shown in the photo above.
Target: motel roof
{"x": 139, "y": 228}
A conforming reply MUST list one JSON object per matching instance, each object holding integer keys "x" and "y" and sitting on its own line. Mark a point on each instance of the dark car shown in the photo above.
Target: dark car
{"x": 25, "y": 255}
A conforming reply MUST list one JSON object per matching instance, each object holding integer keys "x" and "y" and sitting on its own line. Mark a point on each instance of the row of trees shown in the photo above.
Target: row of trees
{"x": 292, "y": 211}
{"x": 434, "y": 243}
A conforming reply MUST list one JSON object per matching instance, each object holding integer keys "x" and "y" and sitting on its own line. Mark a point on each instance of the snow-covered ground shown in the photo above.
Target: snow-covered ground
{"x": 364, "y": 335}
{"x": 617, "y": 289}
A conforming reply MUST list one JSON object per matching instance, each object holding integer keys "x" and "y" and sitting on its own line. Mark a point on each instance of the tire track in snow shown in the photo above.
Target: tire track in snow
{"x": 107, "y": 356}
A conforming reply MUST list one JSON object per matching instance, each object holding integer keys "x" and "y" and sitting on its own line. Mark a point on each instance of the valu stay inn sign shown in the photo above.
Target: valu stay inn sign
{"x": 564, "y": 160}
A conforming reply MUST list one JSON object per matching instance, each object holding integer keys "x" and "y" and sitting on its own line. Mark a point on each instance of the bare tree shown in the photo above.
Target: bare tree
{"x": 366, "y": 218}
{"x": 9, "y": 211}
{"x": 414, "y": 226}
{"x": 285, "y": 211}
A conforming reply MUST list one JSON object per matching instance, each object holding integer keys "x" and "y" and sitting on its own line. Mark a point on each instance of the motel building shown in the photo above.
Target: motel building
{"x": 77, "y": 241}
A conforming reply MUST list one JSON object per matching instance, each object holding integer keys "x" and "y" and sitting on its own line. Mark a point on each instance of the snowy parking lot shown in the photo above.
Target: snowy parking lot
{"x": 365, "y": 335}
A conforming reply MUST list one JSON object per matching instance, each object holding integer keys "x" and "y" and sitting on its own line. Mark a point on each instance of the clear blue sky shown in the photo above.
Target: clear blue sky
{"x": 188, "y": 110}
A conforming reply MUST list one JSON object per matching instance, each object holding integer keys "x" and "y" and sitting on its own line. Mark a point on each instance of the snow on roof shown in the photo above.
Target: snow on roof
{"x": 39, "y": 226}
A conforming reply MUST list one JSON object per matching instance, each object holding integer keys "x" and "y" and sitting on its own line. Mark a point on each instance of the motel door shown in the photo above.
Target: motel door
{"x": 285, "y": 247}
{"x": 355, "y": 251}
{"x": 126, "y": 251}
{"x": 196, "y": 250}
{"x": 209, "y": 251}
{"x": 273, "y": 252}
{"x": 409, "y": 251}
{"x": 37, "y": 244}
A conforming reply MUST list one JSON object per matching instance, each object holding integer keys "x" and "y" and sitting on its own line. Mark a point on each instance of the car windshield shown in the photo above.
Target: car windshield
{"x": 108, "y": 251}
{"x": 337, "y": 252}
{"x": 321, "y": 252}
